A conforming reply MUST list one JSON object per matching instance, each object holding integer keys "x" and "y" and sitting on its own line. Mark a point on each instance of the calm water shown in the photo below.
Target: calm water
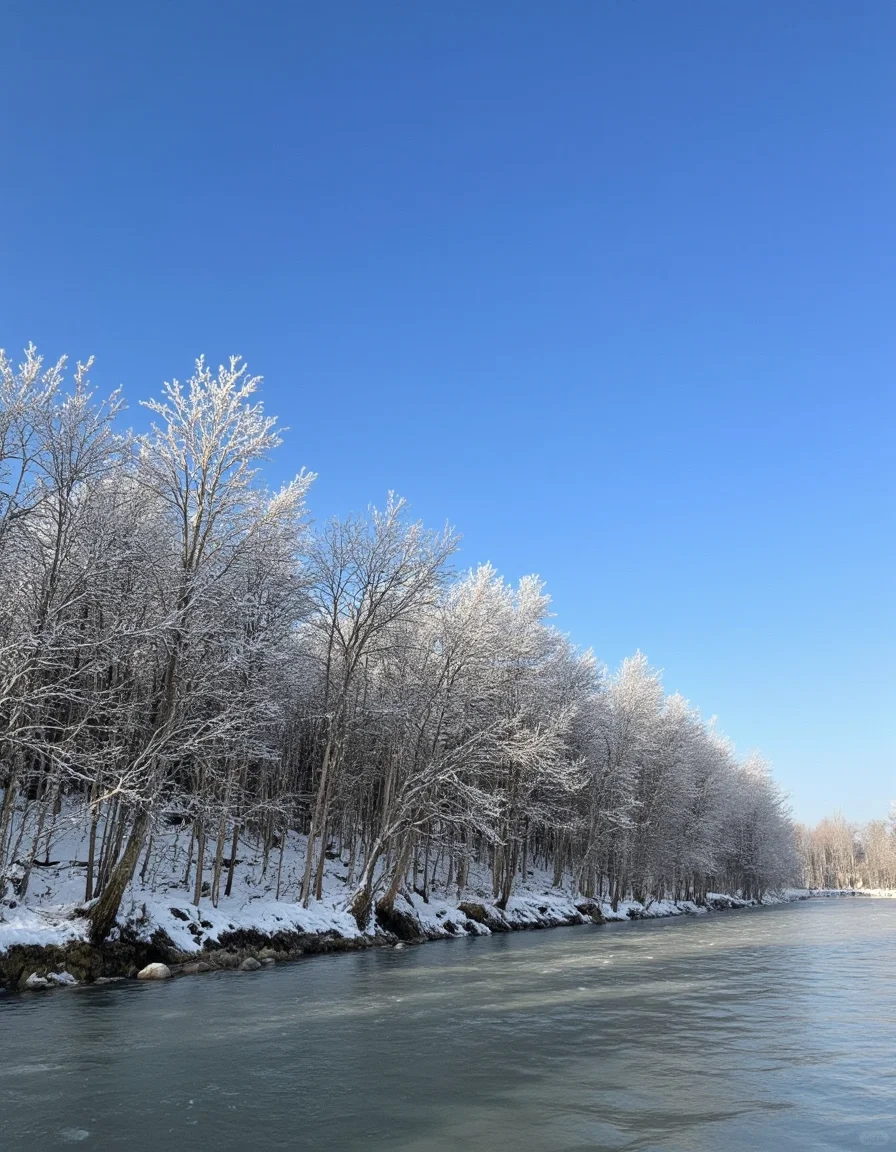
{"x": 766, "y": 1029}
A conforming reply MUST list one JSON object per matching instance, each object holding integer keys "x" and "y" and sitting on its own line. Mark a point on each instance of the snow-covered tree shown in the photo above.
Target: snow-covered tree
{"x": 179, "y": 649}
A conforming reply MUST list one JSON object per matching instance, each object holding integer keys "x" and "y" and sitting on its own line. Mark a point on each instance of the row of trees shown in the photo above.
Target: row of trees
{"x": 837, "y": 854}
{"x": 177, "y": 644}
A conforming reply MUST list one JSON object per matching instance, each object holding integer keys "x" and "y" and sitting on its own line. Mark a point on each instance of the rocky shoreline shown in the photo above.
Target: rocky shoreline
{"x": 37, "y": 967}
{"x": 83, "y": 963}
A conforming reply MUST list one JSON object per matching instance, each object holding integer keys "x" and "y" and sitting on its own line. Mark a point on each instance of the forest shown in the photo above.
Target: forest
{"x": 181, "y": 646}
{"x": 838, "y": 854}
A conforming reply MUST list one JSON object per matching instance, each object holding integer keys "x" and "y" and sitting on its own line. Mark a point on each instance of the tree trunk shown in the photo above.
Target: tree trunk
{"x": 322, "y": 854}
{"x": 91, "y": 849}
{"x": 102, "y": 915}
{"x": 219, "y": 857}
{"x": 511, "y": 860}
{"x": 283, "y": 835}
{"x": 316, "y": 820}
{"x": 146, "y": 858}
{"x": 6, "y": 810}
{"x": 362, "y": 901}
{"x": 234, "y": 844}
{"x": 200, "y": 861}
{"x": 401, "y": 866}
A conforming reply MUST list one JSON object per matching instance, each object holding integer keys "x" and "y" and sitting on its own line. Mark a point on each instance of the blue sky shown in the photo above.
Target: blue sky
{"x": 609, "y": 286}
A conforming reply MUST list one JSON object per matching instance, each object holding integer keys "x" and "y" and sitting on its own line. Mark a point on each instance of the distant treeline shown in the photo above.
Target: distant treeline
{"x": 837, "y": 854}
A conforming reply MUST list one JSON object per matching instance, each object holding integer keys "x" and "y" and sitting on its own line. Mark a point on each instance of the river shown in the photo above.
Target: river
{"x": 772, "y": 1028}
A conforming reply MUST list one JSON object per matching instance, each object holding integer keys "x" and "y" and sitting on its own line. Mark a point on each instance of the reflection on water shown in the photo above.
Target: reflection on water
{"x": 765, "y": 1029}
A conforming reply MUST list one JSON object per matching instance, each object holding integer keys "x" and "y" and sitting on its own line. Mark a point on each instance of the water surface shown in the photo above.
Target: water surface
{"x": 772, "y": 1028}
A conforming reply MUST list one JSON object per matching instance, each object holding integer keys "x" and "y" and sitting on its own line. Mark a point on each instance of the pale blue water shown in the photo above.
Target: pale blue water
{"x": 766, "y": 1029}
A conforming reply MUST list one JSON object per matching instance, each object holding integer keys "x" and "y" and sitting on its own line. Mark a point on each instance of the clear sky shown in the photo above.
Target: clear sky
{"x": 608, "y": 285}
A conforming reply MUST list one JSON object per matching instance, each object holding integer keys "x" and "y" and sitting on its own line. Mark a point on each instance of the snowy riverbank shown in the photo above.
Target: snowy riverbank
{"x": 44, "y": 932}
{"x": 52, "y": 942}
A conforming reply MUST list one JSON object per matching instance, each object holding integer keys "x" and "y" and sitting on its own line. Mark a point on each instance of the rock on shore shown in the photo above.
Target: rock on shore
{"x": 154, "y": 972}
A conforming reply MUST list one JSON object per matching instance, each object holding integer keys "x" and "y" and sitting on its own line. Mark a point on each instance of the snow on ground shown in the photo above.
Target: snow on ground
{"x": 160, "y": 899}
{"x": 41, "y": 926}
{"x": 441, "y": 917}
{"x": 189, "y": 927}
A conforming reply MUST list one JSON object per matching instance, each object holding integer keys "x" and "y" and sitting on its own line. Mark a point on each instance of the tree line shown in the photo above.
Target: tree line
{"x": 178, "y": 644}
{"x": 838, "y": 854}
